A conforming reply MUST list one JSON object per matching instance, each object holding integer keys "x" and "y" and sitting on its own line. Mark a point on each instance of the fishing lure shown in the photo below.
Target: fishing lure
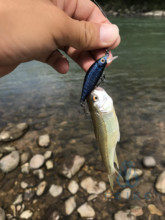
{"x": 93, "y": 75}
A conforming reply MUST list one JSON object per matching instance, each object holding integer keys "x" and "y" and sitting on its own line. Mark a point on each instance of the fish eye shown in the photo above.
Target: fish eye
{"x": 102, "y": 60}
{"x": 95, "y": 98}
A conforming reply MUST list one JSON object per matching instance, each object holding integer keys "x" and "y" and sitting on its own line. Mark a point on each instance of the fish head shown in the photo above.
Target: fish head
{"x": 102, "y": 62}
{"x": 101, "y": 101}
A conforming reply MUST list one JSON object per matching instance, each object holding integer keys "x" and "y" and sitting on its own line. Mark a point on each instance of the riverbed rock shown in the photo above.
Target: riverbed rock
{"x": 9, "y": 162}
{"x": 92, "y": 186}
{"x": 160, "y": 183}
{"x": 48, "y": 154}
{"x": 73, "y": 166}
{"x": 41, "y": 188}
{"x": 70, "y": 205}
{"x": 29, "y": 194}
{"x": 86, "y": 211}
{"x": 149, "y": 162}
{"x": 124, "y": 215}
{"x": 13, "y": 132}
{"x": 25, "y": 157}
{"x": 44, "y": 140}
{"x": 18, "y": 199}
{"x": 136, "y": 211}
{"x": 25, "y": 168}
{"x": 27, "y": 214}
{"x": 39, "y": 173}
{"x": 73, "y": 187}
{"x": 154, "y": 210}
{"x": 37, "y": 161}
{"x": 24, "y": 185}
{"x": 55, "y": 190}
{"x": 125, "y": 193}
{"x": 49, "y": 164}
{"x": 2, "y": 214}
{"x": 133, "y": 173}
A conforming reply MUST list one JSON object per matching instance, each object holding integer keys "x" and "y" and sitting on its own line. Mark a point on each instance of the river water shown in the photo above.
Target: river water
{"x": 49, "y": 102}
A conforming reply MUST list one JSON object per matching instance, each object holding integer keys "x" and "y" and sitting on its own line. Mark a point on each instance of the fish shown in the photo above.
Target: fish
{"x": 106, "y": 129}
{"x": 93, "y": 75}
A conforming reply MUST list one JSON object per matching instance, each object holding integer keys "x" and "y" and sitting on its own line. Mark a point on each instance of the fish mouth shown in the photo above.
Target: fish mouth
{"x": 111, "y": 59}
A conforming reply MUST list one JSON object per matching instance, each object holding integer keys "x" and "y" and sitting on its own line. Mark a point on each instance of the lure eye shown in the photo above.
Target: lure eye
{"x": 102, "y": 60}
{"x": 95, "y": 98}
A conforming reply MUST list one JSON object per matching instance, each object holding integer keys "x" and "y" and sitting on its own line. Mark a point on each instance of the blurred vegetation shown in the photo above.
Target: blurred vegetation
{"x": 135, "y": 5}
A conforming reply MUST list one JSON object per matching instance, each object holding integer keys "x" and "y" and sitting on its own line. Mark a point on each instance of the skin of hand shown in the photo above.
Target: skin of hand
{"x": 38, "y": 30}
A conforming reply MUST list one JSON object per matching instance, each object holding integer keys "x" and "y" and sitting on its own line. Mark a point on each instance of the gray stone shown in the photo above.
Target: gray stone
{"x": 124, "y": 215}
{"x": 27, "y": 214}
{"x": 73, "y": 186}
{"x": 133, "y": 173}
{"x": 44, "y": 140}
{"x": 18, "y": 199}
{"x": 39, "y": 173}
{"x": 70, "y": 205}
{"x": 37, "y": 161}
{"x": 2, "y": 214}
{"x": 41, "y": 188}
{"x": 125, "y": 193}
{"x": 76, "y": 164}
{"x": 9, "y": 162}
{"x": 86, "y": 211}
{"x": 25, "y": 157}
{"x": 92, "y": 186}
{"x": 48, "y": 154}
{"x": 160, "y": 183}
{"x": 28, "y": 194}
{"x": 55, "y": 190}
{"x": 149, "y": 161}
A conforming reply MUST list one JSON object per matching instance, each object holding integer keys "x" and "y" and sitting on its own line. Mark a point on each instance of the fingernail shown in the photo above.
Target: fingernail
{"x": 108, "y": 33}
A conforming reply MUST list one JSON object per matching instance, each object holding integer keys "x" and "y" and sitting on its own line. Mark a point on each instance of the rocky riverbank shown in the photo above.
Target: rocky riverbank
{"x": 44, "y": 181}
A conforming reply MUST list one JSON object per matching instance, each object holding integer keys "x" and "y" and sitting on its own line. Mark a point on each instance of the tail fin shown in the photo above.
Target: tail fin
{"x": 113, "y": 178}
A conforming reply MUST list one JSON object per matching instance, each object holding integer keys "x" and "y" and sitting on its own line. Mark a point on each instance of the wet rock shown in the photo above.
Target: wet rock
{"x": 92, "y": 186}
{"x": 25, "y": 168}
{"x": 2, "y": 214}
{"x": 154, "y": 210}
{"x": 124, "y": 215}
{"x": 13, "y": 132}
{"x": 27, "y": 214}
{"x": 24, "y": 185}
{"x": 48, "y": 154}
{"x": 136, "y": 211}
{"x": 28, "y": 194}
{"x": 125, "y": 193}
{"x": 160, "y": 183}
{"x": 18, "y": 200}
{"x": 55, "y": 190}
{"x": 9, "y": 162}
{"x": 55, "y": 216}
{"x": 133, "y": 173}
{"x": 49, "y": 164}
{"x": 37, "y": 161}
{"x": 39, "y": 173}
{"x": 25, "y": 157}
{"x": 86, "y": 211}
{"x": 70, "y": 205}
{"x": 73, "y": 186}
{"x": 41, "y": 188}
{"x": 75, "y": 164}
{"x": 44, "y": 140}
{"x": 149, "y": 161}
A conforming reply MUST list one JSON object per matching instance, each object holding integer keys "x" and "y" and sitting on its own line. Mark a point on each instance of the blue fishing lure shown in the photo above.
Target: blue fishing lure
{"x": 93, "y": 75}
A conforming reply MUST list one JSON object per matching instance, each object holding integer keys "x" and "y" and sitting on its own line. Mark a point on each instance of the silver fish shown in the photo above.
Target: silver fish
{"x": 106, "y": 128}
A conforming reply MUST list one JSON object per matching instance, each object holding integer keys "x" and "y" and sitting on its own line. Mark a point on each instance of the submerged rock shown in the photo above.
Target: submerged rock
{"x": 9, "y": 162}
{"x": 55, "y": 190}
{"x": 154, "y": 210}
{"x": 2, "y": 214}
{"x": 44, "y": 140}
{"x": 18, "y": 200}
{"x": 86, "y": 211}
{"x": 37, "y": 161}
{"x": 160, "y": 183}
{"x": 137, "y": 211}
{"x": 25, "y": 157}
{"x": 124, "y": 215}
{"x": 49, "y": 164}
{"x": 48, "y": 154}
{"x": 92, "y": 186}
{"x": 70, "y": 205}
{"x": 41, "y": 188}
{"x": 75, "y": 164}
{"x": 39, "y": 173}
{"x": 133, "y": 173}
{"x": 125, "y": 193}
{"x": 73, "y": 186}
{"x": 27, "y": 214}
{"x": 13, "y": 132}
{"x": 25, "y": 168}
{"x": 149, "y": 161}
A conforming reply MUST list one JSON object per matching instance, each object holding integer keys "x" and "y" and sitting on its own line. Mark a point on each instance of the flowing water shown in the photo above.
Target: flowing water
{"x": 49, "y": 102}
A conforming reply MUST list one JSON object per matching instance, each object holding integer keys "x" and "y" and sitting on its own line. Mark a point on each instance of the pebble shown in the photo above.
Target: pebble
{"x": 92, "y": 186}
{"x": 24, "y": 185}
{"x": 55, "y": 216}
{"x": 133, "y": 173}
{"x": 49, "y": 164}
{"x": 37, "y": 161}
{"x": 7, "y": 149}
{"x": 77, "y": 163}
{"x": 70, "y": 205}
{"x": 26, "y": 214}
{"x": 2, "y": 214}
{"x": 125, "y": 193}
{"x": 41, "y": 188}
{"x": 55, "y": 190}
{"x": 160, "y": 183}
{"x": 137, "y": 211}
{"x": 44, "y": 140}
{"x": 154, "y": 210}
{"x": 86, "y": 211}
{"x": 18, "y": 200}
{"x": 92, "y": 197}
{"x": 25, "y": 168}
{"x": 39, "y": 173}
{"x": 48, "y": 154}
{"x": 149, "y": 161}
{"x": 73, "y": 187}
{"x": 9, "y": 162}
{"x": 28, "y": 194}
{"x": 25, "y": 157}
{"x": 124, "y": 215}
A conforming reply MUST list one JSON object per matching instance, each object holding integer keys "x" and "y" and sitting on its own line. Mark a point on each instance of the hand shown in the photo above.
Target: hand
{"x": 35, "y": 30}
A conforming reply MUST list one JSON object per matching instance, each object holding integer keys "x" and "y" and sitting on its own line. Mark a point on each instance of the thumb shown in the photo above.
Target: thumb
{"x": 87, "y": 35}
